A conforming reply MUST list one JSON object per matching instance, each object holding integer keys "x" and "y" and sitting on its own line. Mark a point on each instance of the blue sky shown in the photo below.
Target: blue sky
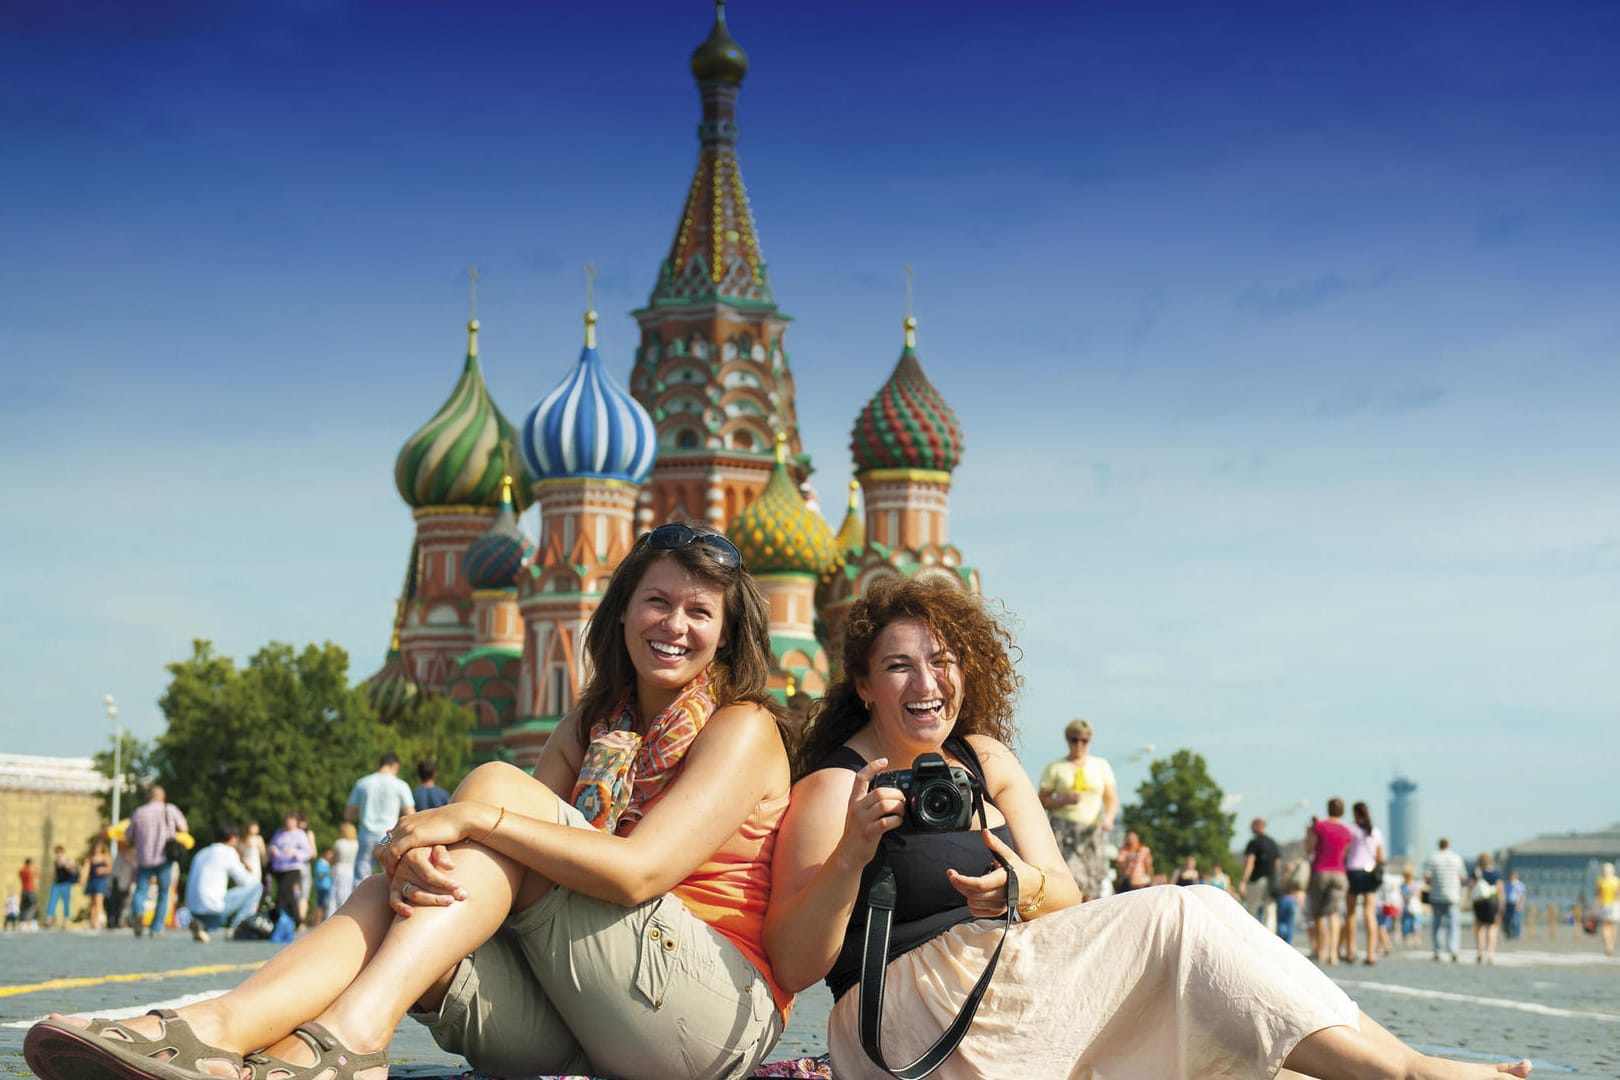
{"x": 1283, "y": 337}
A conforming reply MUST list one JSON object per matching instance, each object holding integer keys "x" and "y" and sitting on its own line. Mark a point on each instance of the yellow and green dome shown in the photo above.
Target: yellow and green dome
{"x": 458, "y": 457}
{"x": 778, "y": 533}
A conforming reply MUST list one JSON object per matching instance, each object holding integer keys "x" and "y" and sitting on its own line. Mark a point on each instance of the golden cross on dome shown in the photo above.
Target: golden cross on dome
{"x": 590, "y": 305}
{"x": 472, "y": 284}
{"x": 909, "y": 277}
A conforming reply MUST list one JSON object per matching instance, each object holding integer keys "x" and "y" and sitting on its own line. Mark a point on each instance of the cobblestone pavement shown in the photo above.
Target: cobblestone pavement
{"x": 1557, "y": 1002}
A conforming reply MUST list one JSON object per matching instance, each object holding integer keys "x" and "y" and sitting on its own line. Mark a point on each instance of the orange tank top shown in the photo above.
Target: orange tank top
{"x": 732, "y": 889}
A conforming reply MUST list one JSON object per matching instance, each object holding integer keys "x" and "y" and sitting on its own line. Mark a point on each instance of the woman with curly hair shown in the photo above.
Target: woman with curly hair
{"x": 1164, "y": 983}
{"x": 628, "y": 880}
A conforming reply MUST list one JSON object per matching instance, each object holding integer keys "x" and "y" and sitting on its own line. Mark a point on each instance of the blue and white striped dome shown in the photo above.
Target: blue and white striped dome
{"x": 589, "y": 425}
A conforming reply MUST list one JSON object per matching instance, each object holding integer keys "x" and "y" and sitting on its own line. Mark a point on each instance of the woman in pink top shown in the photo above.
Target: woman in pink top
{"x": 1325, "y": 845}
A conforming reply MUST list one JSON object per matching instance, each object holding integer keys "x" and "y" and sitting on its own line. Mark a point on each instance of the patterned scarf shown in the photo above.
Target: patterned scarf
{"x": 623, "y": 771}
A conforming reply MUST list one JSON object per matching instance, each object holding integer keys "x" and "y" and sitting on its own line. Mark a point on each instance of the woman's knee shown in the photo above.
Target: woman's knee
{"x": 503, "y": 784}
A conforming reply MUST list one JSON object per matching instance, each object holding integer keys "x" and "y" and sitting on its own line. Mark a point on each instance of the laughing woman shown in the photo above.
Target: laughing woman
{"x": 514, "y": 921}
{"x": 1163, "y": 983}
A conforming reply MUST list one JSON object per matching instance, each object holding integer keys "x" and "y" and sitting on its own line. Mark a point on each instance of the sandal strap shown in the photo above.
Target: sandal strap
{"x": 332, "y": 1058}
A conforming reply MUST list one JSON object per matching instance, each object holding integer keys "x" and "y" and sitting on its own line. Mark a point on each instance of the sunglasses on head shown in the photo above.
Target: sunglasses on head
{"x": 674, "y": 536}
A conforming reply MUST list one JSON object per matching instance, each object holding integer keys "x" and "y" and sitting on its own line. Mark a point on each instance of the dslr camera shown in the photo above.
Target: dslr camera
{"x": 939, "y": 797}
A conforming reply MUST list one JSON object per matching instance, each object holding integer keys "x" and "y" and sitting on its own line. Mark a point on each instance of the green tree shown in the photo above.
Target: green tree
{"x": 285, "y": 733}
{"x": 135, "y": 763}
{"x": 1178, "y": 813}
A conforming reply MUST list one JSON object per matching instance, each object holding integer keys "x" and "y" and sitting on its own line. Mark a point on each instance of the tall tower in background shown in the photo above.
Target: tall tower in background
{"x": 1405, "y": 842}
{"x": 711, "y": 368}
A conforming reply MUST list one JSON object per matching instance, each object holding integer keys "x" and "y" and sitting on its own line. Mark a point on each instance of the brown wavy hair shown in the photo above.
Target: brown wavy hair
{"x": 984, "y": 651}
{"x": 742, "y": 666}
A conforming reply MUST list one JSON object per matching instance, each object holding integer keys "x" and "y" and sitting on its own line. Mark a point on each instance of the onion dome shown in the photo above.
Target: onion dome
{"x": 458, "y": 457}
{"x": 907, "y": 424}
{"x": 494, "y": 559}
{"x": 589, "y": 426}
{"x": 777, "y": 533}
{"x": 392, "y": 690}
{"x": 852, "y": 533}
{"x": 720, "y": 58}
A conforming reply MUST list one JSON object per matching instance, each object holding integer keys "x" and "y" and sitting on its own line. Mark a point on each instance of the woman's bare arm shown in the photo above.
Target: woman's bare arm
{"x": 830, "y": 833}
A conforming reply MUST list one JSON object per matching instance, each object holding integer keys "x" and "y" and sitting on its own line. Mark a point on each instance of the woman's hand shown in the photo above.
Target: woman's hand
{"x": 433, "y": 828}
{"x": 872, "y": 813}
{"x": 986, "y": 895}
{"x": 421, "y": 878}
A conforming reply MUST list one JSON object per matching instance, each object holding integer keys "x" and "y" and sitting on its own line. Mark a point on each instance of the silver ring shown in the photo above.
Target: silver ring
{"x": 387, "y": 838}
{"x": 405, "y": 888}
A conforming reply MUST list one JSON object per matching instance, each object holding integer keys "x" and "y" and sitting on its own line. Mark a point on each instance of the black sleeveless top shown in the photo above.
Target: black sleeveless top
{"x": 927, "y": 905}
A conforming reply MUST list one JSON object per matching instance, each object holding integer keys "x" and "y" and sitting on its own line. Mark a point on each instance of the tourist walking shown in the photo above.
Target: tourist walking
{"x": 254, "y": 851}
{"x": 66, "y": 875}
{"x": 1443, "y": 877}
{"x": 1484, "y": 891}
{"x": 1411, "y": 906}
{"x": 1161, "y": 984}
{"x": 1081, "y": 798}
{"x": 1607, "y": 896}
{"x": 1258, "y": 880}
{"x": 427, "y": 794}
{"x": 1187, "y": 873}
{"x": 377, "y": 801}
{"x": 220, "y": 889}
{"x": 1391, "y": 902}
{"x": 97, "y": 881}
{"x": 28, "y": 898}
{"x": 1364, "y": 872}
{"x": 1291, "y": 904}
{"x": 604, "y": 916}
{"x": 1512, "y": 905}
{"x": 344, "y": 850}
{"x": 290, "y": 852}
{"x": 1326, "y": 842}
{"x": 1133, "y": 869}
{"x": 151, "y": 827}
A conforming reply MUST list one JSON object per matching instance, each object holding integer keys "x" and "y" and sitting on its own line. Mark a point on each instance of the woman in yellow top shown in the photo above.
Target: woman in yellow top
{"x": 1608, "y": 906}
{"x": 651, "y": 817}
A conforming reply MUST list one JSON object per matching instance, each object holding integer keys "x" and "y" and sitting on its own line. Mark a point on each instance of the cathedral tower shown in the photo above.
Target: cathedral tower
{"x": 589, "y": 446}
{"x": 711, "y": 367}
{"x": 906, "y": 442}
{"x": 450, "y": 473}
{"x": 788, "y": 547}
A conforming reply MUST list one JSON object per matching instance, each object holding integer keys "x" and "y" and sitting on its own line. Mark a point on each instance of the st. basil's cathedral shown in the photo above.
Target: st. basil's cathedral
{"x": 707, "y": 430}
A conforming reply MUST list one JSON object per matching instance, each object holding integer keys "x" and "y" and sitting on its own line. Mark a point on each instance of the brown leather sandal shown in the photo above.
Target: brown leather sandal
{"x": 333, "y": 1060}
{"x": 58, "y": 1051}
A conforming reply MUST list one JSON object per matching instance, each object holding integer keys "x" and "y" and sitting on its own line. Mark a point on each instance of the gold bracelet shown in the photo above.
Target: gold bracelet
{"x": 1034, "y": 905}
{"x": 502, "y": 817}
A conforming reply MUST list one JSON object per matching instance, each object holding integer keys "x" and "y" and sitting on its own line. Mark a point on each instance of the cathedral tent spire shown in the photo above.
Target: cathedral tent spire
{"x": 715, "y": 254}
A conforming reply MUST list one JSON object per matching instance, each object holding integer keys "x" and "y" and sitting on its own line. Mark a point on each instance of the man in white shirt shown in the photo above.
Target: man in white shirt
{"x": 1081, "y": 800}
{"x": 219, "y": 889}
{"x": 378, "y": 801}
{"x": 1444, "y": 873}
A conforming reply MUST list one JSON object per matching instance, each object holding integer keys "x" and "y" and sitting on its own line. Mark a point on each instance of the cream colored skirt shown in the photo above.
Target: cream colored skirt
{"x": 1157, "y": 984}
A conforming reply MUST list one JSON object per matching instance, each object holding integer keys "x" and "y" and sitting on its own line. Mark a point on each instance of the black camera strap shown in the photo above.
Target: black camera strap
{"x": 880, "y": 904}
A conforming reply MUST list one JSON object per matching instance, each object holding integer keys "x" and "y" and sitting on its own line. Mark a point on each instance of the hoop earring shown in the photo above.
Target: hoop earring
{"x": 866, "y": 704}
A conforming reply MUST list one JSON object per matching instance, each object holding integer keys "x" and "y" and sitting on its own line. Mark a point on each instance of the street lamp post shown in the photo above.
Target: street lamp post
{"x": 118, "y": 752}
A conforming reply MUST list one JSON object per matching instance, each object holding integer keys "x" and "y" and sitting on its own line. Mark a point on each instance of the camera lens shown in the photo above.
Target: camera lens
{"x": 938, "y": 805}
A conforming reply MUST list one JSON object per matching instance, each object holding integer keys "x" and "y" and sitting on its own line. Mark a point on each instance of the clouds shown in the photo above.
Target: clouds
{"x": 1274, "y": 302}
{"x": 1380, "y": 400}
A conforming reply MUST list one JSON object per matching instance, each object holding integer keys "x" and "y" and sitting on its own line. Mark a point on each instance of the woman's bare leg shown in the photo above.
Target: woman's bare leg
{"x": 434, "y": 939}
{"x": 1370, "y": 906}
{"x": 1372, "y": 1053}
{"x": 360, "y": 971}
